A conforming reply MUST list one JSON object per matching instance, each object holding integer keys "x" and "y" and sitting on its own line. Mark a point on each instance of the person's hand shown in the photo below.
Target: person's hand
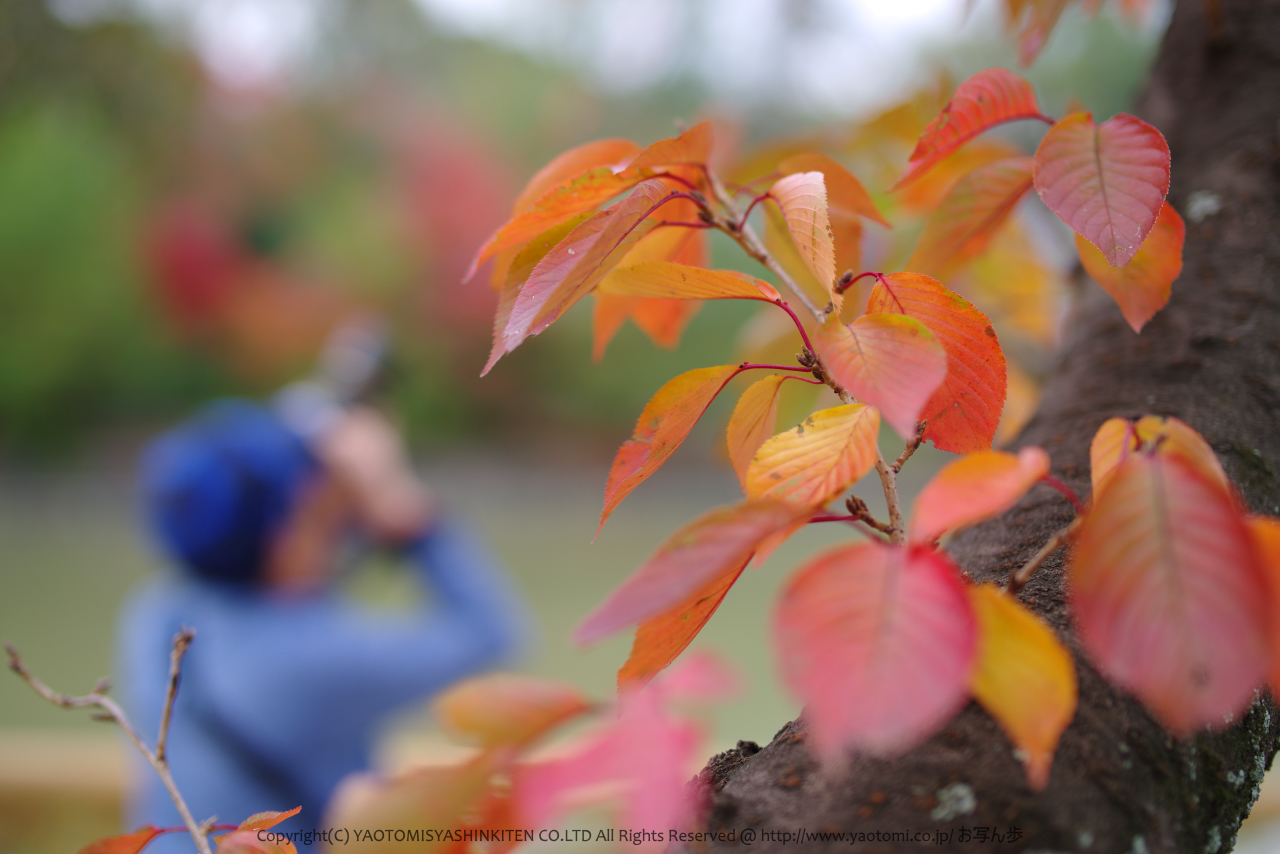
{"x": 364, "y": 452}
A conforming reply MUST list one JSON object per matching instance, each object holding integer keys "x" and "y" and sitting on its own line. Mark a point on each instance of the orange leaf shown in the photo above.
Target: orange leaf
{"x": 1167, "y": 592}
{"x": 754, "y": 420}
{"x": 574, "y": 266}
{"x": 1016, "y": 285}
{"x": 1023, "y": 677}
{"x": 891, "y": 361}
{"x": 508, "y": 708}
{"x": 663, "y": 320}
{"x": 985, "y": 100}
{"x": 878, "y": 642}
{"x": 610, "y": 312}
{"x": 267, "y": 820}
{"x": 1021, "y": 403}
{"x": 691, "y": 147}
{"x": 614, "y": 153}
{"x": 975, "y": 488}
{"x": 517, "y": 274}
{"x": 964, "y": 412}
{"x": 1035, "y": 26}
{"x": 1141, "y": 287}
{"x": 669, "y": 280}
{"x": 970, "y": 215}
{"x": 581, "y": 194}
{"x": 686, "y": 562}
{"x": 1118, "y": 438}
{"x": 1106, "y": 181}
{"x": 820, "y": 459}
{"x": 803, "y": 200}
{"x": 660, "y": 639}
{"x": 926, "y": 193}
{"x": 662, "y": 426}
{"x": 1265, "y": 532}
{"x": 127, "y": 843}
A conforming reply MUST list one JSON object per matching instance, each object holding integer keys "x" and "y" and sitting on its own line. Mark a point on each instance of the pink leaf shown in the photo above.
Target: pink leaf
{"x": 803, "y": 200}
{"x": 878, "y": 641}
{"x": 1106, "y": 181}
{"x": 1167, "y": 592}
{"x": 890, "y": 361}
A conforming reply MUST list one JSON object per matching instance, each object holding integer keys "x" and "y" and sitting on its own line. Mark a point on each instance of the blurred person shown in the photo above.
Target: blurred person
{"x": 284, "y": 687}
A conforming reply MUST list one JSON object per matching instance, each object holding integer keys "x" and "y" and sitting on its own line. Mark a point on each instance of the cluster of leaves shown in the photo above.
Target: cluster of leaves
{"x": 243, "y": 838}
{"x": 884, "y": 639}
{"x": 639, "y": 751}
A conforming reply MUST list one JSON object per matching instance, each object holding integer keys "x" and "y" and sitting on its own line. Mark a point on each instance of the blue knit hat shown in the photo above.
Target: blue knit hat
{"x": 218, "y": 488}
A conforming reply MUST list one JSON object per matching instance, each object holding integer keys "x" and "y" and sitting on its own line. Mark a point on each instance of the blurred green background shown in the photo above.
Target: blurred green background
{"x": 192, "y": 192}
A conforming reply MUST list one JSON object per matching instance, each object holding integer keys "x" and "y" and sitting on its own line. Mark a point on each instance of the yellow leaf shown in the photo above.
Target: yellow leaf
{"x": 508, "y": 708}
{"x": 820, "y": 459}
{"x": 1024, "y": 678}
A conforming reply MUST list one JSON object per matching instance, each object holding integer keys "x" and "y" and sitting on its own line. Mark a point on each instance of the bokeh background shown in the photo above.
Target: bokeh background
{"x": 194, "y": 192}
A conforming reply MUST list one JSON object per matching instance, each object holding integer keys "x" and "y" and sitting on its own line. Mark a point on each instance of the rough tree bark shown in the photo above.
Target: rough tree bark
{"x": 1212, "y": 358}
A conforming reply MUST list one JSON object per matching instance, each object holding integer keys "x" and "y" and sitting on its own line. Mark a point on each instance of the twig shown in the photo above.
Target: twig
{"x": 1067, "y": 492}
{"x": 889, "y": 480}
{"x": 181, "y": 641}
{"x": 111, "y": 711}
{"x": 1019, "y": 579}
{"x": 911, "y": 447}
{"x": 861, "y": 512}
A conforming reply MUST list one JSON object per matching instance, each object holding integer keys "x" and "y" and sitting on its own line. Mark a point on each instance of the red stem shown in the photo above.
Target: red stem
{"x": 855, "y": 279}
{"x": 1049, "y": 120}
{"x": 799, "y": 326}
{"x": 1068, "y": 492}
{"x": 685, "y": 224}
{"x": 747, "y": 366}
{"x": 757, "y": 200}
{"x": 687, "y": 183}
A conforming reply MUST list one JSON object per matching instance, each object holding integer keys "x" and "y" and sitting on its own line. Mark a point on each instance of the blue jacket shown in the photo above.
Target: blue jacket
{"x": 280, "y": 697}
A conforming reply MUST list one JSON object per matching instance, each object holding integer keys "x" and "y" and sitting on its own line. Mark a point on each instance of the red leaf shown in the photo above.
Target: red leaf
{"x": 1141, "y": 288}
{"x": 817, "y": 461}
{"x": 803, "y": 200}
{"x": 970, "y": 216}
{"x": 127, "y": 843}
{"x": 717, "y": 542}
{"x": 665, "y": 421}
{"x": 965, "y": 411}
{"x": 1167, "y": 593}
{"x": 890, "y": 361}
{"x": 985, "y": 100}
{"x": 1106, "y": 181}
{"x": 753, "y": 421}
{"x": 691, "y": 147}
{"x": 878, "y": 641}
{"x": 975, "y": 488}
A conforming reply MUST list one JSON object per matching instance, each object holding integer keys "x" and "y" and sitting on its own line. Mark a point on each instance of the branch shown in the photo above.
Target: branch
{"x": 860, "y": 511}
{"x": 111, "y": 711}
{"x": 1057, "y": 541}
{"x": 889, "y": 481}
{"x": 911, "y": 447}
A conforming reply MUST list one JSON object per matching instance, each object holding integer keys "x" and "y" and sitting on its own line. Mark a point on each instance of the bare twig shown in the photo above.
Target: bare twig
{"x": 181, "y": 641}
{"x": 1057, "y": 541}
{"x": 911, "y": 447}
{"x": 861, "y": 512}
{"x": 112, "y": 712}
{"x": 889, "y": 481}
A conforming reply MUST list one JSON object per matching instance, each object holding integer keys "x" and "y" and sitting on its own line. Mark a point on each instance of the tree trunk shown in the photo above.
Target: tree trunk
{"x": 1119, "y": 782}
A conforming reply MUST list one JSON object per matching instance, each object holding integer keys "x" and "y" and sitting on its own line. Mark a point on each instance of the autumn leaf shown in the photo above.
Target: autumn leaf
{"x": 1023, "y": 677}
{"x": 973, "y": 489}
{"x": 1033, "y": 22}
{"x": 1020, "y": 404}
{"x": 848, "y": 203}
{"x": 779, "y": 243}
{"x": 1141, "y": 287}
{"x": 878, "y": 642}
{"x": 986, "y": 99}
{"x": 1106, "y": 181}
{"x": 583, "y": 193}
{"x": 267, "y": 820}
{"x": 965, "y": 410}
{"x": 753, "y": 421}
{"x": 803, "y": 200}
{"x": 1265, "y": 532}
{"x": 126, "y": 843}
{"x": 669, "y": 280}
{"x": 660, "y": 639}
{"x": 691, "y": 147}
{"x": 508, "y": 708}
{"x": 662, "y": 426}
{"x": 890, "y": 361}
{"x": 924, "y": 194}
{"x": 968, "y": 218}
{"x": 518, "y": 272}
{"x": 579, "y": 261}
{"x": 614, "y": 153}
{"x": 1167, "y": 593}
{"x": 711, "y": 545}
{"x": 1016, "y": 286}
{"x": 1118, "y": 438}
{"x": 817, "y": 461}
